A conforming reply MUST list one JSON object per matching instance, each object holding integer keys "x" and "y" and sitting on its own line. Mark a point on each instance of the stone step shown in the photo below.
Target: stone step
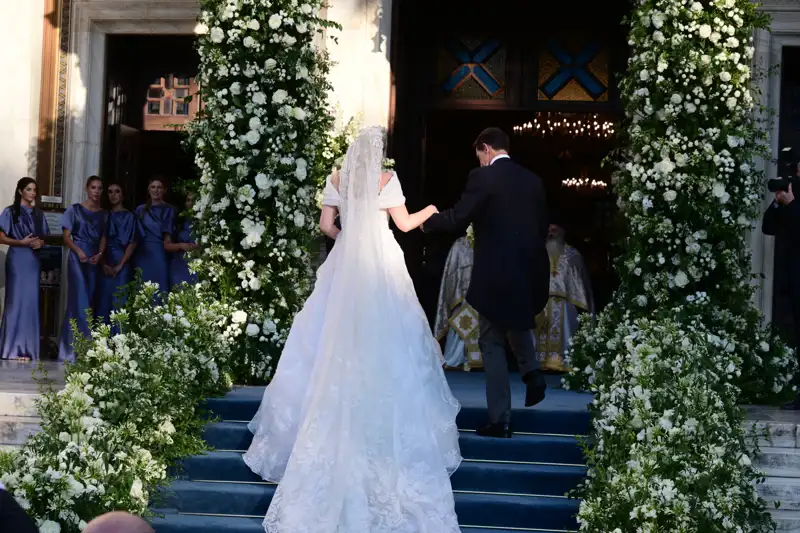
{"x": 774, "y": 434}
{"x": 18, "y": 404}
{"x": 787, "y": 521}
{"x": 15, "y": 430}
{"x": 779, "y": 462}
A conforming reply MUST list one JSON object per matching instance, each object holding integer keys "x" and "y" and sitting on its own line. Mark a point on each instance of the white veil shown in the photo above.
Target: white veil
{"x": 359, "y": 423}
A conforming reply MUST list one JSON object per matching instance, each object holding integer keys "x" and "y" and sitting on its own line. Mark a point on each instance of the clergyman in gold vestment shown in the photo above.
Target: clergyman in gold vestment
{"x": 456, "y": 320}
{"x": 570, "y": 295}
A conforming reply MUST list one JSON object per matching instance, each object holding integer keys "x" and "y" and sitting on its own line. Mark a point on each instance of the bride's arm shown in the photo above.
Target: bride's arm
{"x": 327, "y": 221}
{"x": 405, "y": 222}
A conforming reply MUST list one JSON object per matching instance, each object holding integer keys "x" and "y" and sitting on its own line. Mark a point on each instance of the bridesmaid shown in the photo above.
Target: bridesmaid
{"x": 156, "y": 218}
{"x": 123, "y": 233}
{"x": 85, "y": 235}
{"x": 178, "y": 244}
{"x": 22, "y": 228}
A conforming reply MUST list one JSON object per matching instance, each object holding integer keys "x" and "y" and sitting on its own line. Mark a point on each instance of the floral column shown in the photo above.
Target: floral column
{"x": 261, "y": 143}
{"x": 681, "y": 346}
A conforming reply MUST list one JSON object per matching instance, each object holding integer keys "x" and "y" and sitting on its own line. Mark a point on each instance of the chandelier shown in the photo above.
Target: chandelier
{"x": 584, "y": 183}
{"x": 570, "y": 124}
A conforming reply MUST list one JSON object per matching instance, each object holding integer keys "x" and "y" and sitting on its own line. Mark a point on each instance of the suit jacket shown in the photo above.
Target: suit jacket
{"x": 506, "y": 205}
{"x": 12, "y": 517}
{"x": 784, "y": 221}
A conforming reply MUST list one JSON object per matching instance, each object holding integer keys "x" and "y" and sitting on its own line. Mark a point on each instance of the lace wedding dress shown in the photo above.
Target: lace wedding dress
{"x": 358, "y": 424}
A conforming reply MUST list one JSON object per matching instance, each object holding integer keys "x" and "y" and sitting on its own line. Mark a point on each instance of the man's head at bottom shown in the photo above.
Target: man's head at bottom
{"x": 118, "y": 522}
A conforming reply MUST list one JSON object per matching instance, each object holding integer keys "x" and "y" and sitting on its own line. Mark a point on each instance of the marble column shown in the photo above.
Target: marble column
{"x": 361, "y": 76}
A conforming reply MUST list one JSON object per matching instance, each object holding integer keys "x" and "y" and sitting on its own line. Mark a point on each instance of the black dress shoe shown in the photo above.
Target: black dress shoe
{"x": 498, "y": 431}
{"x": 536, "y": 388}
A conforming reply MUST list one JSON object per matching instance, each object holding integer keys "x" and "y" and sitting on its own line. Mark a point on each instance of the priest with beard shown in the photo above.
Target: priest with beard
{"x": 570, "y": 296}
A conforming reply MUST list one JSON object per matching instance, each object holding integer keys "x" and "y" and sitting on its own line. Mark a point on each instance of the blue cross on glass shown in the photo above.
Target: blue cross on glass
{"x": 472, "y": 66}
{"x": 573, "y": 67}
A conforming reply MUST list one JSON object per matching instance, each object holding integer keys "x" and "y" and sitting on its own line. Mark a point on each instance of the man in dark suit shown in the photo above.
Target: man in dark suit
{"x": 506, "y": 205}
{"x": 12, "y": 517}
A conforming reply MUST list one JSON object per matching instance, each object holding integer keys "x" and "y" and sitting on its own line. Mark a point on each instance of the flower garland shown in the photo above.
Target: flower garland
{"x": 128, "y": 410}
{"x": 262, "y": 136}
{"x": 681, "y": 345}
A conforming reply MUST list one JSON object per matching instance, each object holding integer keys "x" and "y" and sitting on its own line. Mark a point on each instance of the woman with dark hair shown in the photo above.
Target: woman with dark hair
{"x": 22, "y": 228}
{"x": 84, "y": 227}
{"x": 123, "y": 234}
{"x": 156, "y": 218}
{"x": 178, "y": 243}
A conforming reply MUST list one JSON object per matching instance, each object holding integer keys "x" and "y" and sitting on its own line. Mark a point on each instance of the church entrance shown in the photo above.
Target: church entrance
{"x": 546, "y": 78}
{"x": 151, "y": 94}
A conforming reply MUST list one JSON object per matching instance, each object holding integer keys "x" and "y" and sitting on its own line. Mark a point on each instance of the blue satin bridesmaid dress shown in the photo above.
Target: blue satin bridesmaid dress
{"x": 20, "y": 328}
{"x": 123, "y": 230}
{"x": 87, "y": 228}
{"x": 179, "y": 266}
{"x": 151, "y": 258}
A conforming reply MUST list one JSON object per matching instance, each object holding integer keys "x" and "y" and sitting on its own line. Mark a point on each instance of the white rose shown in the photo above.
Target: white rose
{"x": 166, "y": 427}
{"x": 289, "y": 40}
{"x": 253, "y": 25}
{"x": 259, "y": 98}
{"x": 714, "y": 37}
{"x": 697, "y": 7}
{"x": 255, "y": 284}
{"x": 670, "y": 195}
{"x": 302, "y": 27}
{"x": 168, "y": 317}
{"x": 236, "y": 88}
{"x": 200, "y": 29}
{"x": 658, "y": 37}
{"x": 252, "y": 137}
{"x": 239, "y": 317}
{"x": 658, "y": 19}
{"x": 725, "y": 76}
{"x": 299, "y": 113}
{"x": 48, "y": 526}
{"x": 676, "y": 98}
{"x": 275, "y": 21}
{"x": 305, "y": 8}
{"x": 262, "y": 181}
{"x": 681, "y": 279}
{"x": 252, "y": 330}
{"x": 705, "y": 31}
{"x": 279, "y": 96}
{"x": 270, "y": 64}
{"x": 217, "y": 35}
{"x": 718, "y": 190}
{"x": 644, "y": 75}
{"x": 137, "y": 490}
{"x": 301, "y": 173}
{"x": 254, "y": 123}
{"x": 249, "y": 42}
{"x": 302, "y": 73}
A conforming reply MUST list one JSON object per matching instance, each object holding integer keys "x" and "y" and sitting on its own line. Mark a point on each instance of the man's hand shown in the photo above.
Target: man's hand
{"x": 785, "y": 197}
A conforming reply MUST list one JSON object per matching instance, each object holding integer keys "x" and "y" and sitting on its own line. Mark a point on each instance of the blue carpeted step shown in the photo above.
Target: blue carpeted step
{"x": 562, "y": 412}
{"x": 560, "y": 449}
{"x": 182, "y": 523}
{"x": 245, "y": 499}
{"x": 479, "y": 476}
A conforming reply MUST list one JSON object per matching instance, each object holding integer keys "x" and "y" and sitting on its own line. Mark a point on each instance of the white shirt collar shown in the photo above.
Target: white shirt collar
{"x": 499, "y": 156}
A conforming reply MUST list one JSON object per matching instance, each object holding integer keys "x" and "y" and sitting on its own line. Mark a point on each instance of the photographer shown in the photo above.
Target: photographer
{"x": 782, "y": 219}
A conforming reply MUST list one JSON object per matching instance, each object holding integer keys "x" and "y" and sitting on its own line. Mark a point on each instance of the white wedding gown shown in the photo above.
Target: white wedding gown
{"x": 358, "y": 424}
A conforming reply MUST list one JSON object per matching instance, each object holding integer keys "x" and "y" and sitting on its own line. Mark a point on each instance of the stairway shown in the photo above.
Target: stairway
{"x": 503, "y": 485}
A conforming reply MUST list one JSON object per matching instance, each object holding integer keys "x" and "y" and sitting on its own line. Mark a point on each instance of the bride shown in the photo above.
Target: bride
{"x": 358, "y": 423}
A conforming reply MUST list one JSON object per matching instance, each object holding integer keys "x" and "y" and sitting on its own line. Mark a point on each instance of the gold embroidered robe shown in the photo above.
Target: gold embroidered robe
{"x": 570, "y": 295}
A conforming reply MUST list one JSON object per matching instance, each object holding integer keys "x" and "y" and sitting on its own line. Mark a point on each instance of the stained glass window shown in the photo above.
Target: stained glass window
{"x": 473, "y": 68}
{"x": 573, "y": 69}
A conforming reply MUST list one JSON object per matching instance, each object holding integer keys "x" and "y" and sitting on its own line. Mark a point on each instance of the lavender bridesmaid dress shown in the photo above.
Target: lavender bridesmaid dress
{"x": 19, "y": 331}
{"x": 151, "y": 258}
{"x": 87, "y": 228}
{"x": 179, "y": 267}
{"x": 123, "y": 231}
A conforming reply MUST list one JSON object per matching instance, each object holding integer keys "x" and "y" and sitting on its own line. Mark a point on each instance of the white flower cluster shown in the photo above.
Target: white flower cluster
{"x": 681, "y": 344}
{"x": 126, "y": 413}
{"x": 670, "y": 451}
{"x": 259, "y": 144}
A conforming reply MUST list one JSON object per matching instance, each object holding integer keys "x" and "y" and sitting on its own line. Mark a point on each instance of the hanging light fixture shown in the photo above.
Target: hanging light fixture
{"x": 570, "y": 124}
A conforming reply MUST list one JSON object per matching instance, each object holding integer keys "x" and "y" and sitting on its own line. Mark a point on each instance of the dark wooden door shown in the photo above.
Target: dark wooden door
{"x": 127, "y": 161}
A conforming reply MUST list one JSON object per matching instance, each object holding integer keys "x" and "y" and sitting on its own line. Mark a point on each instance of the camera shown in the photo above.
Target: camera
{"x": 787, "y": 173}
